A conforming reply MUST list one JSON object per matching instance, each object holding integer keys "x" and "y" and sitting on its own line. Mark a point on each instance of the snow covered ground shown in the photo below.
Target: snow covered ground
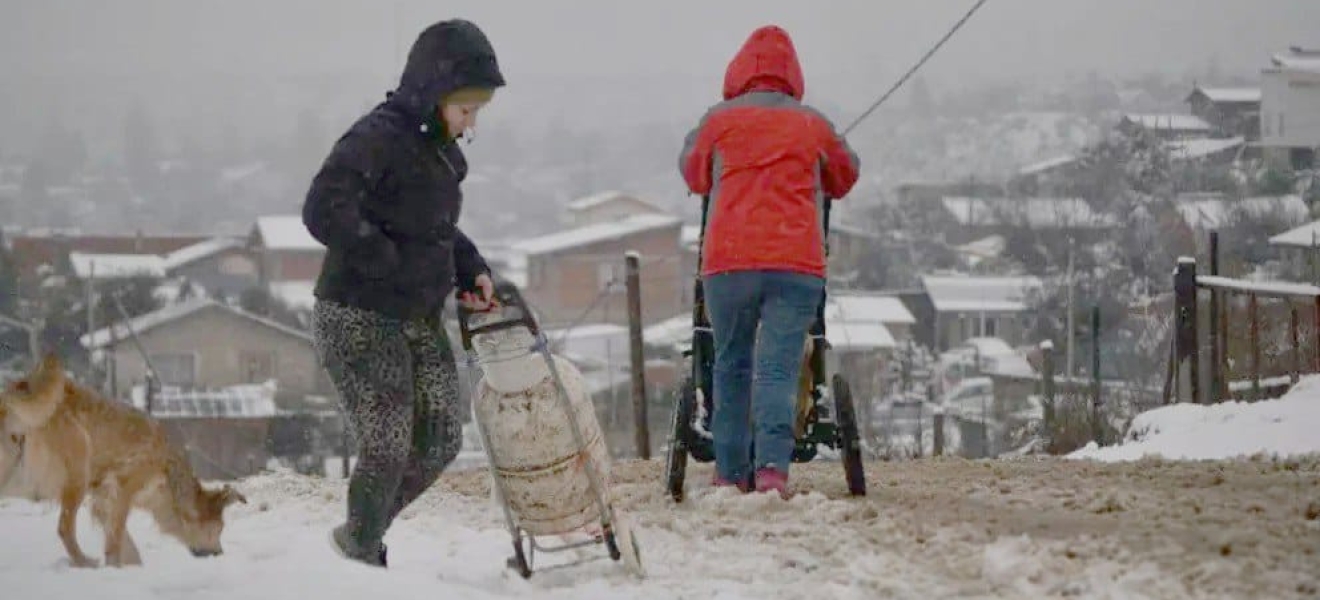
{"x": 1030, "y": 527}
{"x": 1285, "y": 426}
{"x": 935, "y": 528}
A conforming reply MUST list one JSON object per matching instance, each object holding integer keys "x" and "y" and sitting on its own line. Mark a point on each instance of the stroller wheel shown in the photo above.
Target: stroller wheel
{"x": 679, "y": 434}
{"x": 850, "y": 446}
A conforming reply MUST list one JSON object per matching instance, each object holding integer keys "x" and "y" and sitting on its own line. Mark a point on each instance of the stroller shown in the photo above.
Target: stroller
{"x": 548, "y": 461}
{"x": 824, "y": 412}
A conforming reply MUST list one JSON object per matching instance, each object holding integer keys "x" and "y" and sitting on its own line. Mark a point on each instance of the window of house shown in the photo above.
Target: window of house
{"x": 608, "y": 273}
{"x": 990, "y": 327}
{"x": 256, "y": 366}
{"x": 175, "y": 369}
{"x": 237, "y": 264}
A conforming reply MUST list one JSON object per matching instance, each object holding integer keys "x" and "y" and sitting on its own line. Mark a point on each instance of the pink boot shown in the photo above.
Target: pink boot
{"x": 771, "y": 479}
{"x": 719, "y": 482}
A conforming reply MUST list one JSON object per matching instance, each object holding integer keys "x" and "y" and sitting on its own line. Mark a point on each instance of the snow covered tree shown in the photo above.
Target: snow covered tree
{"x": 259, "y": 301}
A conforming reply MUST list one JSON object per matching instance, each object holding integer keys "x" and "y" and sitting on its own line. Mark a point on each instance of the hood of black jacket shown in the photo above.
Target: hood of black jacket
{"x": 446, "y": 56}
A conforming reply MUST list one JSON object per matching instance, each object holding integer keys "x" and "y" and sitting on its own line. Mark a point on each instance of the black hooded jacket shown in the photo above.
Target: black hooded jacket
{"x": 386, "y": 201}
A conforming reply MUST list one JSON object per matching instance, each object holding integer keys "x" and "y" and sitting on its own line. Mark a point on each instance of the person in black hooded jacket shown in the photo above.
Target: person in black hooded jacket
{"x": 385, "y": 203}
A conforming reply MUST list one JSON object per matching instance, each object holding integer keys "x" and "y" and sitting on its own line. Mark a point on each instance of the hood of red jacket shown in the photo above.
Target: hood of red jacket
{"x": 767, "y": 61}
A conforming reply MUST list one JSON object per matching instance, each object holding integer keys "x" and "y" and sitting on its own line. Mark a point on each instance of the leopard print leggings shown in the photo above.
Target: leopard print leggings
{"x": 398, "y": 389}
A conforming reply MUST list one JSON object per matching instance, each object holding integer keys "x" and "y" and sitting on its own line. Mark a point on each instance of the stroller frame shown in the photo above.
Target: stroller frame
{"x": 831, "y": 420}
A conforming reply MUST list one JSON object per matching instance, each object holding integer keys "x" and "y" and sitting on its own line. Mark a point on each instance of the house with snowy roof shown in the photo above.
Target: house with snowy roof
{"x": 52, "y": 248}
{"x": 222, "y": 266}
{"x": 605, "y": 207}
{"x": 1169, "y": 126}
{"x": 968, "y": 219}
{"x": 578, "y": 273}
{"x": 1203, "y": 212}
{"x": 1231, "y": 111}
{"x": 288, "y": 258}
{"x": 227, "y": 382}
{"x": 1300, "y": 246}
{"x": 1046, "y": 176}
{"x": 1290, "y": 107}
{"x": 966, "y": 307}
{"x": 202, "y": 343}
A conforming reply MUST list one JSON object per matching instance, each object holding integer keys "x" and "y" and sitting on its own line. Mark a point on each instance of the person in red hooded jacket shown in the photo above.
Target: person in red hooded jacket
{"x": 768, "y": 163}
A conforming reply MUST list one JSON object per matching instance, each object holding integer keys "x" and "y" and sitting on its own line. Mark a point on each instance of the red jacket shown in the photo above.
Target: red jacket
{"x": 768, "y": 164}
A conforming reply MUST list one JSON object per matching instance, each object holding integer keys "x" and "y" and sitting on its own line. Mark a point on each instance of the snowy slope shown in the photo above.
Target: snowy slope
{"x": 448, "y": 547}
{"x": 943, "y": 528}
{"x": 1286, "y": 426}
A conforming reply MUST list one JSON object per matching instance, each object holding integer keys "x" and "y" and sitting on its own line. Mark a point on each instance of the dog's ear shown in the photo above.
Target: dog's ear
{"x": 229, "y": 495}
{"x": 50, "y": 363}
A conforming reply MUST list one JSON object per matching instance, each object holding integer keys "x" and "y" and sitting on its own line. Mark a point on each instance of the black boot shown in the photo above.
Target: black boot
{"x": 343, "y": 542}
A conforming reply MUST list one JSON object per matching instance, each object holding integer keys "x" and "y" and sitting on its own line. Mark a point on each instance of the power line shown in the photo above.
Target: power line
{"x": 914, "y": 68}
{"x": 604, "y": 293}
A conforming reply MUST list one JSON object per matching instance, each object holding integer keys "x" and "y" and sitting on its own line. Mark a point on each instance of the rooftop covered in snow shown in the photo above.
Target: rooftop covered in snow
{"x": 114, "y": 266}
{"x": 1040, "y": 213}
{"x": 1047, "y": 164}
{"x": 597, "y": 233}
{"x": 858, "y": 335}
{"x": 172, "y": 313}
{"x": 1195, "y": 148}
{"x": 859, "y": 307}
{"x": 1212, "y": 211}
{"x": 204, "y": 249}
{"x": 594, "y": 200}
{"x": 971, "y": 294}
{"x": 1228, "y": 95}
{"x": 1168, "y": 122}
{"x": 1297, "y": 59}
{"x": 248, "y": 401}
{"x": 285, "y": 232}
{"x": 1305, "y": 236}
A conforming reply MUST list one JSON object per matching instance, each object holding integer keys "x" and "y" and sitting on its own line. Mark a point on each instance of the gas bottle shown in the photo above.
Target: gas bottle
{"x": 532, "y": 447}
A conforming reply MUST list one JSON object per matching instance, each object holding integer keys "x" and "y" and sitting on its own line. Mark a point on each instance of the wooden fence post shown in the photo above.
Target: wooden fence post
{"x": 1216, "y": 352}
{"x": 1184, "y": 288}
{"x": 937, "y": 424}
{"x": 1316, "y": 333}
{"x": 1296, "y": 343}
{"x": 1252, "y": 305}
{"x": 641, "y": 416}
{"x": 1096, "y": 423}
{"x": 1047, "y": 390}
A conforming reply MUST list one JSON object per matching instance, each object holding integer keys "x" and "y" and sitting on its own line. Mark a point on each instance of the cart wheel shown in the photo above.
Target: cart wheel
{"x": 518, "y": 561}
{"x": 849, "y": 441}
{"x": 632, "y": 552}
{"x": 676, "y": 457}
{"x": 612, "y": 544}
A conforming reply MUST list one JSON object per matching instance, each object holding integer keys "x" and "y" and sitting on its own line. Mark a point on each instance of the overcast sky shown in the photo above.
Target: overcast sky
{"x": 1008, "y": 38}
{"x": 851, "y": 50}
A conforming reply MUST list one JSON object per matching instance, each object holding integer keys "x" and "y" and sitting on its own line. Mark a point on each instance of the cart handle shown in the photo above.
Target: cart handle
{"x": 507, "y": 296}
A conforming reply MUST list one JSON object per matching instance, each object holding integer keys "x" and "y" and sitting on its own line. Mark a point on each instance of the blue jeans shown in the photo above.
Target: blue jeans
{"x": 784, "y": 305}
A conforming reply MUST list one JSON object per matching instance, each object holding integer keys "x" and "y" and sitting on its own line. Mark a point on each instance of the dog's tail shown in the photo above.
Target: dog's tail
{"x": 33, "y": 400}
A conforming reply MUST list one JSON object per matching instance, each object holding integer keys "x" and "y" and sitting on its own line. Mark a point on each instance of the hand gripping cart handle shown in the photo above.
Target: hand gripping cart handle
{"x": 515, "y": 481}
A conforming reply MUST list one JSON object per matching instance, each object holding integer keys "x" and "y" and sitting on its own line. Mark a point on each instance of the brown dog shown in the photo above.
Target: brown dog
{"x": 73, "y": 444}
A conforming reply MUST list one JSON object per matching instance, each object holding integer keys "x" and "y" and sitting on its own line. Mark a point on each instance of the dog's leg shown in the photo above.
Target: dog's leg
{"x": 71, "y": 499}
{"x": 115, "y": 534}
{"x": 119, "y": 547}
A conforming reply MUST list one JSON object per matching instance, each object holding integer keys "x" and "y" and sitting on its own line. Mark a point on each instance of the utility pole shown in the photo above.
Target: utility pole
{"x": 1068, "y": 329}
{"x": 637, "y": 358}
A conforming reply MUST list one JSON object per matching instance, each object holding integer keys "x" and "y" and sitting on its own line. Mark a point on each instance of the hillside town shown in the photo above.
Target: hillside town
{"x": 940, "y": 292}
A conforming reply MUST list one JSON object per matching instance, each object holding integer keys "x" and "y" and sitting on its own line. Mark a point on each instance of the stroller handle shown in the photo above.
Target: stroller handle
{"x": 508, "y": 297}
